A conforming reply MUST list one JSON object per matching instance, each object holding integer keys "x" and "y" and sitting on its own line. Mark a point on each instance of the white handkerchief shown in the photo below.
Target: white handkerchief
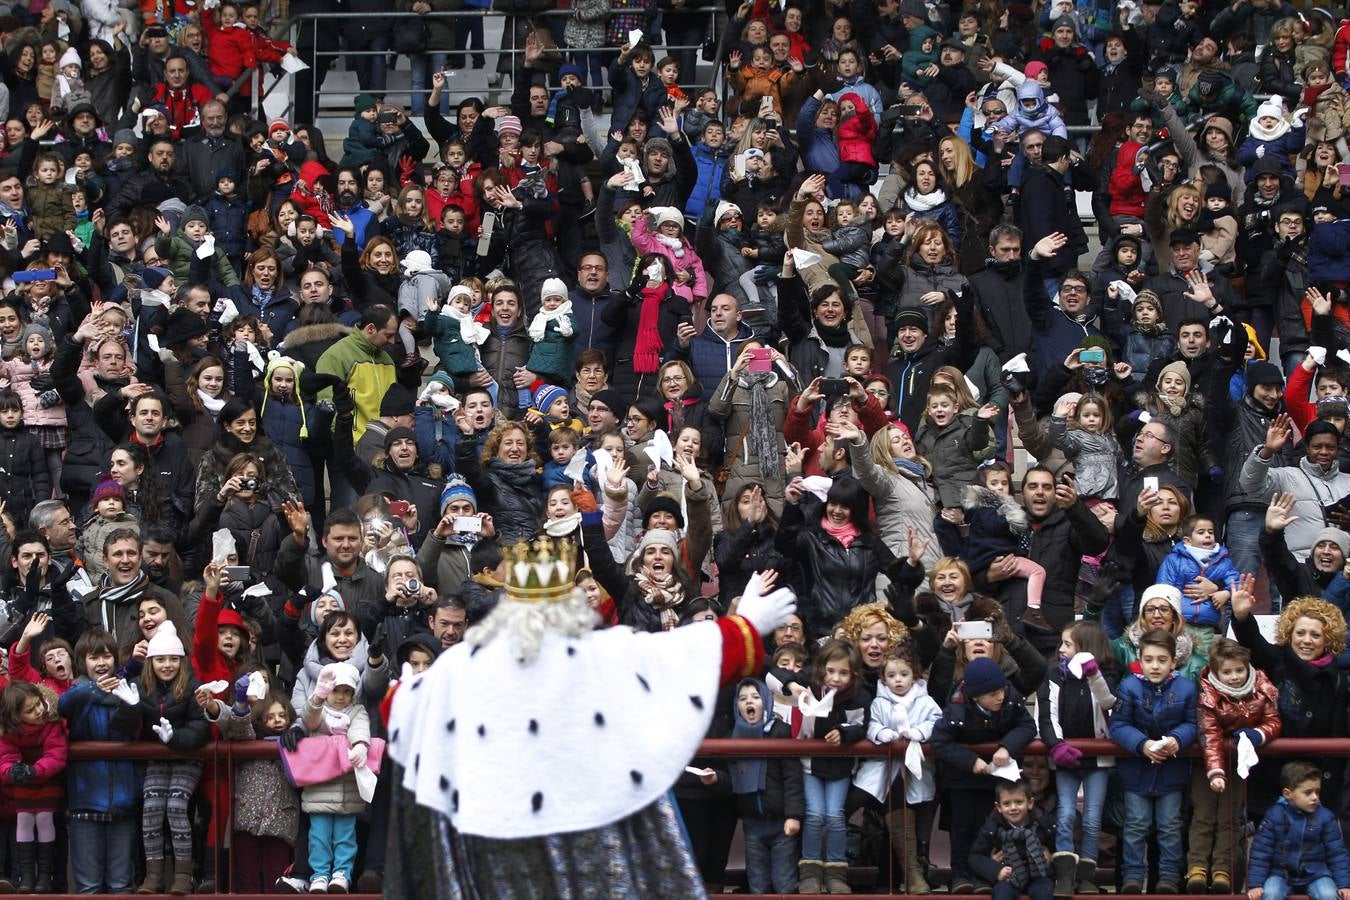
{"x": 1124, "y": 291}
{"x": 1343, "y": 355}
{"x": 660, "y": 451}
{"x": 804, "y": 259}
{"x": 1017, "y": 364}
{"x": 153, "y": 341}
{"x": 576, "y": 468}
{"x": 1010, "y": 771}
{"x": 1076, "y": 663}
{"x": 1246, "y": 756}
{"x": 1318, "y": 354}
{"x": 365, "y": 779}
{"x": 696, "y": 772}
{"x": 291, "y": 64}
{"x": 257, "y": 685}
{"x": 215, "y": 687}
{"x": 818, "y": 484}
{"x": 1145, "y": 418}
{"x": 812, "y": 708}
{"x": 222, "y": 545}
{"x": 634, "y": 35}
{"x": 603, "y": 463}
{"x": 914, "y": 759}
{"x": 633, "y": 168}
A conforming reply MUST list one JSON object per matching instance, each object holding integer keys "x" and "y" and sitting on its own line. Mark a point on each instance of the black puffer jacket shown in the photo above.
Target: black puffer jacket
{"x": 514, "y": 493}
{"x": 522, "y": 235}
{"x": 622, "y": 314}
{"x": 416, "y": 486}
{"x": 24, "y": 479}
{"x": 634, "y": 610}
{"x": 964, "y": 722}
{"x": 190, "y": 728}
{"x": 852, "y": 708}
{"x": 742, "y": 553}
{"x": 87, "y": 445}
{"x": 834, "y": 579}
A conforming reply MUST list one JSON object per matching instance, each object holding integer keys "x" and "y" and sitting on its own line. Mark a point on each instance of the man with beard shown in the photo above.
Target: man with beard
{"x": 349, "y": 204}
{"x": 448, "y": 620}
{"x": 152, "y": 185}
{"x": 210, "y": 152}
{"x": 1292, "y": 578}
{"x": 999, "y": 288}
{"x": 398, "y": 475}
{"x": 1204, "y": 57}
{"x": 337, "y": 561}
{"x": 160, "y": 559}
{"x": 115, "y": 601}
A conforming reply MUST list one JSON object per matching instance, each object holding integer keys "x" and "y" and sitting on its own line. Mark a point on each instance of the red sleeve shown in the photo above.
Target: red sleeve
{"x": 1296, "y": 391}
{"x": 9, "y": 755}
{"x": 1338, "y": 50}
{"x": 797, "y": 426}
{"x": 204, "y": 636}
{"x": 21, "y": 665}
{"x": 742, "y": 649}
{"x": 872, "y": 416}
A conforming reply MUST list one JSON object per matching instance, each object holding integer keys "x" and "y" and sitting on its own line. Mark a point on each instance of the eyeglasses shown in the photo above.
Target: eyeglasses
{"x": 592, "y": 267}
{"x": 1072, "y": 289}
{"x": 1154, "y": 609}
{"x": 672, "y": 379}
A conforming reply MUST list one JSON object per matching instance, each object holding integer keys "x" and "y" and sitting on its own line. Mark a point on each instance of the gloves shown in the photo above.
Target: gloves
{"x": 1090, "y": 668}
{"x": 164, "y": 730}
{"x": 21, "y": 773}
{"x": 324, "y": 686}
{"x": 241, "y": 690}
{"x": 1109, "y": 579}
{"x": 1216, "y": 473}
{"x": 343, "y": 403}
{"x": 887, "y": 736}
{"x": 48, "y": 399}
{"x": 291, "y": 737}
{"x": 127, "y": 693}
{"x": 1066, "y": 756}
{"x": 42, "y": 383}
{"x": 1252, "y": 735}
{"x": 375, "y": 642}
{"x": 765, "y": 611}
{"x": 357, "y": 755}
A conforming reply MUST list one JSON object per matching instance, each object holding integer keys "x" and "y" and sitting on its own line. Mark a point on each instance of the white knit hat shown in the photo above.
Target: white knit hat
{"x": 461, "y": 290}
{"x": 553, "y": 287}
{"x": 165, "y": 642}
{"x": 344, "y": 674}
{"x": 724, "y": 209}
{"x": 1272, "y": 107}
{"x": 1161, "y": 592}
{"x": 663, "y": 214}
{"x": 70, "y": 58}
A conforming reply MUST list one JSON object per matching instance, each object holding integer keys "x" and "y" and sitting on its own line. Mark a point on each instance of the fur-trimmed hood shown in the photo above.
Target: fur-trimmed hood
{"x": 1006, "y": 505}
{"x": 309, "y": 334}
{"x": 1185, "y": 646}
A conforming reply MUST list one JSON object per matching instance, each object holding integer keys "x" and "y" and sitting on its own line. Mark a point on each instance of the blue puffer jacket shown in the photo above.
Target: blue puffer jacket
{"x": 712, "y": 165}
{"x": 282, "y": 422}
{"x": 1149, "y": 712}
{"x": 1299, "y": 846}
{"x": 819, "y": 151}
{"x": 229, "y": 220}
{"x": 111, "y": 786}
{"x": 1180, "y": 568}
{"x": 1329, "y": 251}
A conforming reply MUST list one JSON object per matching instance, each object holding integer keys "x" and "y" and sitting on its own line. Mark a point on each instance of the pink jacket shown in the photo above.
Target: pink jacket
{"x": 21, "y": 375}
{"x": 682, "y": 260}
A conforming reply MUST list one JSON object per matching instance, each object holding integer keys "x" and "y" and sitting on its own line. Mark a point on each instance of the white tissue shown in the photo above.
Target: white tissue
{"x": 819, "y": 485}
{"x": 576, "y": 468}
{"x": 215, "y": 687}
{"x": 804, "y": 259}
{"x": 660, "y": 452}
{"x": 1318, "y": 354}
{"x": 914, "y": 759}
{"x": 811, "y": 709}
{"x": 1009, "y": 771}
{"x": 1124, "y": 291}
{"x": 634, "y": 35}
{"x": 1145, "y": 417}
{"x": 1017, "y": 364}
{"x": 1246, "y": 756}
{"x": 222, "y": 545}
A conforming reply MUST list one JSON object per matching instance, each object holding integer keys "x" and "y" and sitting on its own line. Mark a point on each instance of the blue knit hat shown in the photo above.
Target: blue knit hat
{"x": 545, "y": 395}
{"x": 570, "y": 69}
{"x": 457, "y": 488}
{"x": 983, "y": 676}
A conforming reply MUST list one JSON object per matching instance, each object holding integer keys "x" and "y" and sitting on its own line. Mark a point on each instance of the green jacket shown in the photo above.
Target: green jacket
{"x": 368, "y": 372}
{"x": 178, "y": 251}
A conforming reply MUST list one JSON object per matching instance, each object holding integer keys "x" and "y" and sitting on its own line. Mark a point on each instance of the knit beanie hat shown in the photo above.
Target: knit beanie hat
{"x": 1336, "y": 536}
{"x": 571, "y": 69}
{"x": 183, "y": 325}
{"x": 508, "y": 125}
{"x": 314, "y": 607}
{"x": 154, "y": 276}
{"x": 109, "y": 488}
{"x": 1176, "y": 368}
{"x": 662, "y": 502}
{"x": 545, "y": 395}
{"x": 915, "y": 317}
{"x": 1034, "y": 68}
{"x": 724, "y": 209}
{"x": 397, "y": 401}
{"x": 614, "y": 400}
{"x": 1096, "y": 342}
{"x": 1161, "y": 592}
{"x": 363, "y": 103}
{"x": 456, "y": 488}
{"x": 401, "y": 433}
{"x": 1260, "y": 372}
{"x": 125, "y": 136}
{"x": 193, "y": 213}
{"x": 70, "y": 58}
{"x": 1327, "y": 406}
{"x": 1219, "y": 191}
{"x": 1272, "y": 107}
{"x": 165, "y": 642}
{"x": 553, "y": 287}
{"x": 277, "y": 125}
{"x": 41, "y": 331}
{"x": 983, "y": 676}
{"x": 1149, "y": 298}
{"x": 654, "y": 537}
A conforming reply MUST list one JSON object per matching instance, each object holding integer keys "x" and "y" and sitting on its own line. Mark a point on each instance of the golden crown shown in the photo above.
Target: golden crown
{"x": 542, "y": 572}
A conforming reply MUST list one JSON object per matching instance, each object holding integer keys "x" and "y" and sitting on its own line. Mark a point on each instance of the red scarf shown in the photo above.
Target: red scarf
{"x": 845, "y": 534}
{"x": 647, "y": 352}
{"x": 1312, "y": 92}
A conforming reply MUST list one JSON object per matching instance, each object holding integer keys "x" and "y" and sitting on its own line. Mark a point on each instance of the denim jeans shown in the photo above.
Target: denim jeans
{"x": 101, "y": 855}
{"x": 823, "y": 830}
{"x": 770, "y": 857}
{"x": 1243, "y": 538}
{"x": 371, "y": 70}
{"x": 332, "y": 844}
{"x": 1094, "y": 782}
{"x": 1142, "y": 812}
{"x": 1277, "y": 888}
{"x": 422, "y": 66}
{"x": 1036, "y": 889}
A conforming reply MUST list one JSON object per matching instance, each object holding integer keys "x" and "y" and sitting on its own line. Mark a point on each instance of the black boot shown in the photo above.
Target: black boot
{"x": 27, "y": 854}
{"x": 46, "y": 864}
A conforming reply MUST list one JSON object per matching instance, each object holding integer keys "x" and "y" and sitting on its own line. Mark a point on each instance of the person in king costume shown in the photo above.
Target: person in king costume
{"x": 536, "y": 757}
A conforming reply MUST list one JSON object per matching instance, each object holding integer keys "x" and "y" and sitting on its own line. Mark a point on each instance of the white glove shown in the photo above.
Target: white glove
{"x": 257, "y": 686}
{"x": 207, "y": 249}
{"x": 765, "y": 611}
{"x": 164, "y": 730}
{"x": 1260, "y": 150}
{"x": 229, "y": 312}
{"x": 1301, "y": 115}
{"x": 127, "y": 693}
{"x": 357, "y": 755}
{"x": 165, "y": 354}
{"x": 887, "y": 736}
{"x": 76, "y": 243}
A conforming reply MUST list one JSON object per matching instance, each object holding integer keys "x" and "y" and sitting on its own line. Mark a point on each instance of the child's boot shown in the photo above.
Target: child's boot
{"x": 907, "y": 842}
{"x": 1087, "y": 876}
{"x": 1197, "y": 880}
{"x": 810, "y": 873}
{"x": 836, "y": 878}
{"x": 27, "y": 855}
{"x": 46, "y": 865}
{"x": 154, "y": 876}
{"x": 1065, "y": 866}
{"x": 1220, "y": 882}
{"x": 182, "y": 877}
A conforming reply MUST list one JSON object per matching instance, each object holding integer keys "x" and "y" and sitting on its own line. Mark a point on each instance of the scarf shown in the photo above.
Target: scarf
{"x": 751, "y": 776}
{"x": 663, "y": 594}
{"x": 1153, "y": 330}
{"x": 909, "y": 467}
{"x": 539, "y": 324}
{"x": 110, "y": 597}
{"x": 335, "y": 720}
{"x": 1237, "y": 693}
{"x": 1312, "y": 92}
{"x": 647, "y": 350}
{"x": 675, "y": 412}
{"x": 833, "y": 335}
{"x": 1023, "y": 853}
{"x": 471, "y": 331}
{"x": 763, "y": 439}
{"x": 845, "y": 534}
{"x": 557, "y": 528}
{"x": 1261, "y": 133}
{"x": 211, "y": 404}
{"x": 674, "y": 244}
{"x": 922, "y": 203}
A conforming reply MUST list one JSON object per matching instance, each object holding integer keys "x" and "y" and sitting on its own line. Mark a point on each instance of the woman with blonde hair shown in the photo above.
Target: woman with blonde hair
{"x": 410, "y": 227}
{"x": 505, "y": 478}
{"x": 875, "y": 632}
{"x": 897, "y": 479}
{"x": 978, "y": 204}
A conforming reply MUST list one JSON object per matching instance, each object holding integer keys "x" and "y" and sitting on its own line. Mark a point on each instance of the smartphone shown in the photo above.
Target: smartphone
{"x": 399, "y": 508}
{"x": 765, "y": 105}
{"x": 831, "y": 387}
{"x": 1150, "y": 482}
{"x": 911, "y": 111}
{"x": 761, "y": 359}
{"x": 978, "y": 630}
{"x": 1092, "y": 355}
{"x": 237, "y": 574}
{"x": 468, "y": 525}
{"x": 28, "y": 275}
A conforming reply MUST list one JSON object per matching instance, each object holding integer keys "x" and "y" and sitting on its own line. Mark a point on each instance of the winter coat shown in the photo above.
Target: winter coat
{"x": 712, "y": 167}
{"x": 457, "y": 356}
{"x": 22, "y": 375}
{"x": 24, "y": 479}
{"x": 730, "y": 403}
{"x": 501, "y": 356}
{"x": 190, "y": 728}
{"x": 631, "y": 94}
{"x": 623, "y": 314}
{"x": 94, "y": 531}
{"x": 211, "y": 472}
{"x": 850, "y": 717}
{"x": 551, "y": 357}
{"x": 266, "y": 804}
{"x": 856, "y": 134}
{"x": 834, "y": 578}
{"x": 514, "y": 492}
{"x": 1284, "y": 148}
{"x": 368, "y": 372}
{"x": 1094, "y": 457}
{"x": 955, "y": 452}
{"x": 1067, "y": 710}
{"x": 1073, "y": 77}
{"x": 1148, "y": 712}
{"x": 371, "y": 689}
{"x": 109, "y": 786}
{"x": 1300, "y": 847}
{"x": 901, "y": 500}
{"x": 998, "y": 291}
{"x": 1141, "y": 349}
{"x": 782, "y": 797}
{"x": 339, "y": 796}
{"x": 298, "y": 430}
{"x": 1221, "y": 715}
{"x": 229, "y": 218}
{"x": 684, "y": 259}
{"x": 913, "y": 717}
{"x": 965, "y": 722}
{"x": 1180, "y": 569}
{"x": 87, "y": 445}
{"x": 1312, "y": 488}
{"x": 44, "y": 747}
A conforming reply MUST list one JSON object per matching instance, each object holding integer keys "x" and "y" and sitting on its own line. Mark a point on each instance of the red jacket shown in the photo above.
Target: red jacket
{"x": 1339, "y": 50}
{"x": 1126, "y": 190}
{"x": 856, "y": 133}
{"x": 44, "y": 747}
{"x": 208, "y": 662}
{"x": 1220, "y": 715}
{"x": 234, "y": 49}
{"x": 183, "y": 107}
{"x": 797, "y": 429}
{"x": 1296, "y": 392}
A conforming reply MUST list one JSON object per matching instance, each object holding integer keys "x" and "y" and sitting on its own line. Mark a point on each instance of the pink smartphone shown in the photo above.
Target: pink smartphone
{"x": 761, "y": 360}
